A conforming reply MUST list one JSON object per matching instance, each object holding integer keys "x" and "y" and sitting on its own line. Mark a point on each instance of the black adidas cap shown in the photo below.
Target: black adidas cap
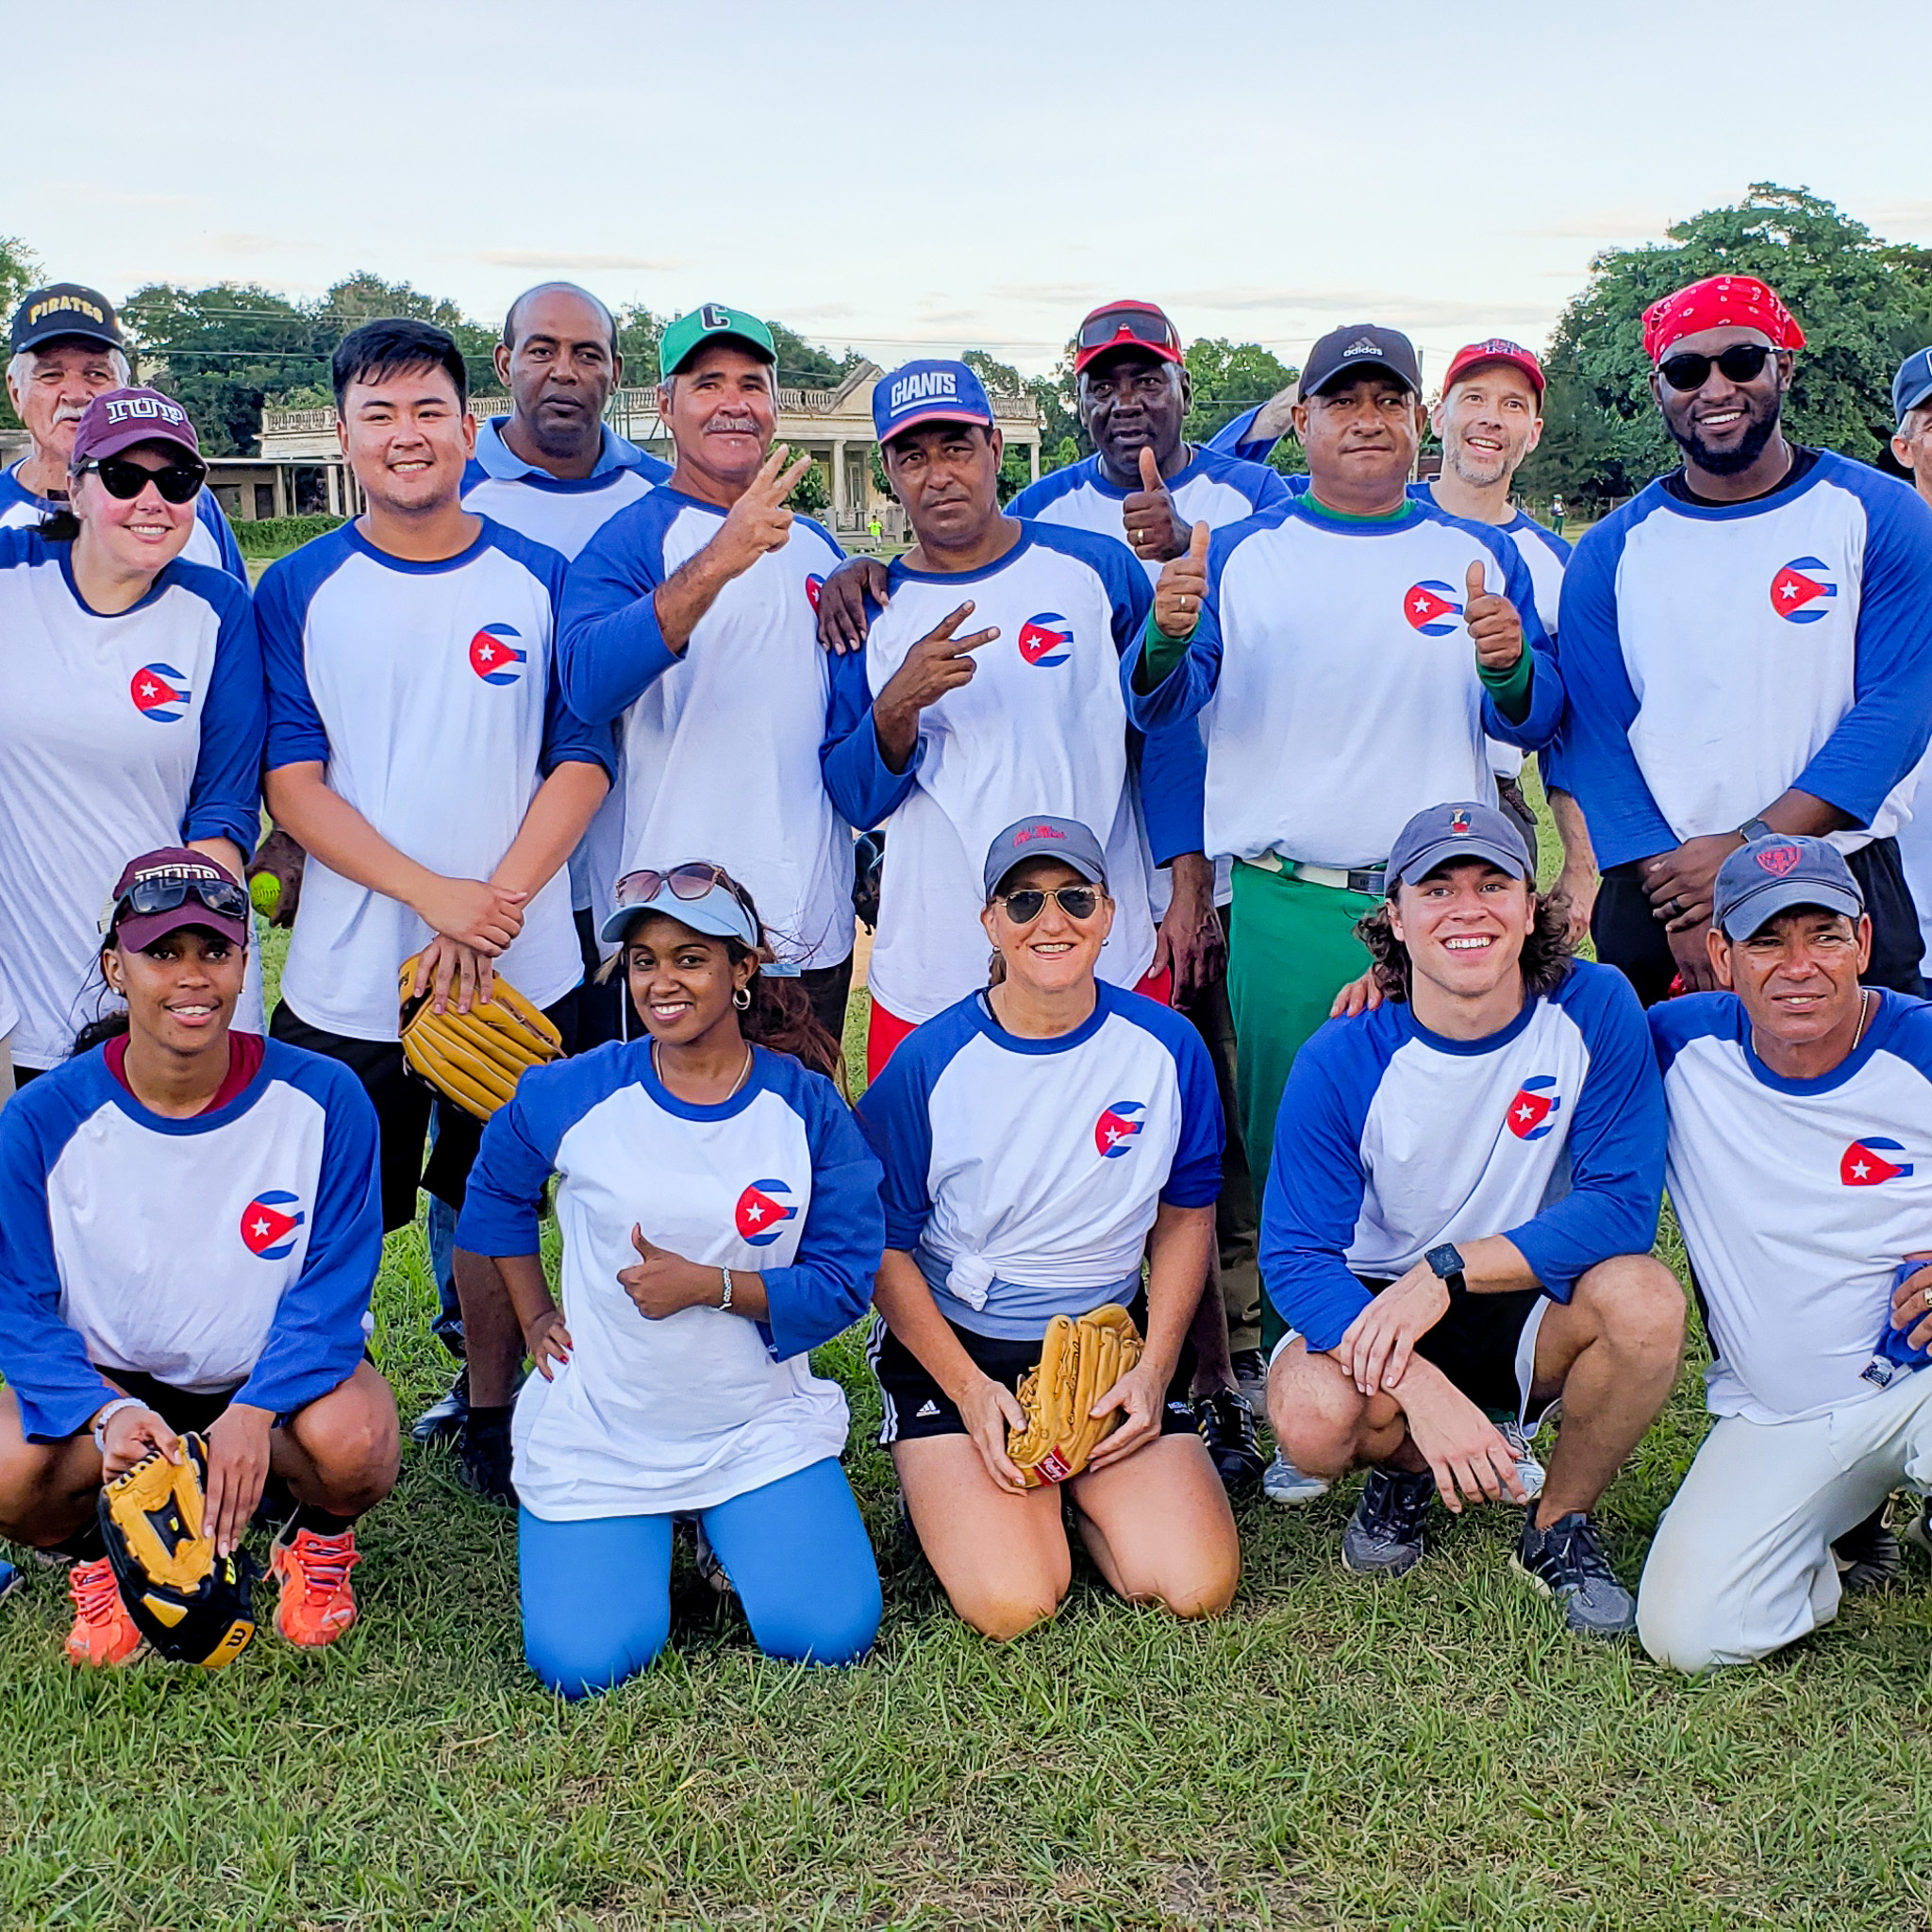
{"x": 1346, "y": 352}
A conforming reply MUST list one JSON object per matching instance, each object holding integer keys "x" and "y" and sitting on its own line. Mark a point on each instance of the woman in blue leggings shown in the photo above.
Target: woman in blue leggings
{"x": 721, "y": 1217}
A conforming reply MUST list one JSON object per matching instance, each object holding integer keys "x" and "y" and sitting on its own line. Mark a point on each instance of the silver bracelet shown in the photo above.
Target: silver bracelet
{"x": 725, "y": 1304}
{"x": 107, "y": 1415}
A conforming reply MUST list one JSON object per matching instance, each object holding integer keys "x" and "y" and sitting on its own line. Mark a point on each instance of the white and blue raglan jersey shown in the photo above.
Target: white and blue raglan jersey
{"x": 211, "y": 543}
{"x": 1715, "y": 657}
{"x": 720, "y": 741}
{"x": 1023, "y": 1174}
{"x": 689, "y": 1411}
{"x": 1798, "y": 1198}
{"x": 566, "y": 512}
{"x": 1238, "y": 439}
{"x": 428, "y": 693}
{"x": 1339, "y": 685}
{"x": 118, "y": 734}
{"x": 1040, "y": 728}
{"x": 237, "y": 1247}
{"x": 1392, "y": 1139}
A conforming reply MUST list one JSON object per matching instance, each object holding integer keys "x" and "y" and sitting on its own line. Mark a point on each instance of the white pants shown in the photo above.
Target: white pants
{"x": 1741, "y": 1562}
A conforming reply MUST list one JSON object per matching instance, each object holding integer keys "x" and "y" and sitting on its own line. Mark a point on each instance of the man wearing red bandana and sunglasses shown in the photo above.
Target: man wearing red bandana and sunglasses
{"x": 1747, "y": 648}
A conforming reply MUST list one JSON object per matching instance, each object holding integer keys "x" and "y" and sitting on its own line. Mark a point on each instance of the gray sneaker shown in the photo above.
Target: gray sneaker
{"x": 1284, "y": 1483}
{"x": 1529, "y": 1471}
{"x": 1567, "y": 1561}
{"x": 1384, "y": 1537}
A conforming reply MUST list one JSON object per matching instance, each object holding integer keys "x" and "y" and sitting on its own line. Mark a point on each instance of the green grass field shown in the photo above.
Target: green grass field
{"x": 1433, "y": 1752}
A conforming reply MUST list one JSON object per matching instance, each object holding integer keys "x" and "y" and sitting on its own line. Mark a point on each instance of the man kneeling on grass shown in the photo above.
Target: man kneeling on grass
{"x": 1459, "y": 1212}
{"x": 1801, "y": 1169}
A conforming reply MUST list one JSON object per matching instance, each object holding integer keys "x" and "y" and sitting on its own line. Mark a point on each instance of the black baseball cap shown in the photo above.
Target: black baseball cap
{"x": 1771, "y": 875}
{"x": 1361, "y": 346}
{"x": 65, "y": 309}
{"x": 1441, "y": 834}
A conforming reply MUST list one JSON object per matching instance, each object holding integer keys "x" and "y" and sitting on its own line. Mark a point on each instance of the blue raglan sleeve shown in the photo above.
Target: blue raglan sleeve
{"x": 1593, "y": 759}
{"x": 1238, "y": 439}
{"x": 216, "y": 522}
{"x": 828, "y": 1285}
{"x": 863, "y": 788}
{"x": 316, "y": 1338}
{"x": 895, "y": 1117}
{"x": 225, "y": 799}
{"x": 569, "y": 738}
{"x": 1616, "y": 1146}
{"x": 1316, "y": 1183}
{"x": 1194, "y": 1179}
{"x": 1270, "y": 490}
{"x": 1192, "y": 681}
{"x": 504, "y": 1192}
{"x": 1885, "y": 733}
{"x": 610, "y": 642}
{"x": 296, "y": 735}
{"x": 44, "y": 1361}
{"x": 1538, "y": 724}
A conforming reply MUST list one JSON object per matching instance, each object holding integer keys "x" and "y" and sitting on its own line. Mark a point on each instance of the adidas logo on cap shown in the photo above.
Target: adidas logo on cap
{"x": 1363, "y": 345}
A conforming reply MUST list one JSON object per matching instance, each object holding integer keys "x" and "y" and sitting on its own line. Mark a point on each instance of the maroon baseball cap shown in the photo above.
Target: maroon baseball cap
{"x": 1495, "y": 349}
{"x": 1126, "y": 324}
{"x": 124, "y": 417}
{"x": 162, "y": 891}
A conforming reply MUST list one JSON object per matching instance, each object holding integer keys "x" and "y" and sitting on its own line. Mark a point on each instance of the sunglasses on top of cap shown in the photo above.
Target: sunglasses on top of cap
{"x": 1136, "y": 325}
{"x": 145, "y": 897}
{"x": 1740, "y": 362}
{"x": 1027, "y": 905}
{"x": 691, "y": 883}
{"x": 179, "y": 482}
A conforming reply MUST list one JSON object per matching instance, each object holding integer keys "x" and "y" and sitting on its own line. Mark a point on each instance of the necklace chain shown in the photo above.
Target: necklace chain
{"x": 743, "y": 1073}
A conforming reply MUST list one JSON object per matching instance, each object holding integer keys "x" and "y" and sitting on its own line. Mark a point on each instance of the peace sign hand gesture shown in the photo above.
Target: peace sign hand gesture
{"x": 758, "y": 520}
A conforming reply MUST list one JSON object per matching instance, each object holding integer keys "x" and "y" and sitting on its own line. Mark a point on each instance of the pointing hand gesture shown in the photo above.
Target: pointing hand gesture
{"x": 758, "y": 520}
{"x": 1183, "y": 588}
{"x": 1492, "y": 623}
{"x": 939, "y": 662}
{"x": 1153, "y": 524}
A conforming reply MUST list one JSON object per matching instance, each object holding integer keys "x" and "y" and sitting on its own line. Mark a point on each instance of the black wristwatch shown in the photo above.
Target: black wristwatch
{"x": 1756, "y": 829}
{"x": 1447, "y": 1263}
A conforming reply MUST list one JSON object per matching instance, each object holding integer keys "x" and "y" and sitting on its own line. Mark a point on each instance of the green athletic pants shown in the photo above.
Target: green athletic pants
{"x": 1291, "y": 949}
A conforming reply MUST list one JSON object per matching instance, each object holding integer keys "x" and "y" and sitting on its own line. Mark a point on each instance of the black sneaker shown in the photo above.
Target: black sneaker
{"x": 1384, "y": 1537}
{"x": 1226, "y": 1424}
{"x": 483, "y": 1458}
{"x": 443, "y": 1421}
{"x": 1251, "y": 1377}
{"x": 1567, "y": 1561}
{"x": 1868, "y": 1555}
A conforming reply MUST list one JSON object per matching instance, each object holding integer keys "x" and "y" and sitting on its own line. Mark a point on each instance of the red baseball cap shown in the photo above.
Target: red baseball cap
{"x": 1495, "y": 349}
{"x": 162, "y": 891}
{"x": 1126, "y": 324}
{"x": 124, "y": 417}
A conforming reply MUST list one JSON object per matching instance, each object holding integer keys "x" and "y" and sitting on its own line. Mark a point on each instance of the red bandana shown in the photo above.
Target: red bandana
{"x": 1719, "y": 302}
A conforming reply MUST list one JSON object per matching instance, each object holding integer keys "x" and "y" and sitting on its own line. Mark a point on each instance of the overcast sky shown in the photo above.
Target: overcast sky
{"x": 915, "y": 179}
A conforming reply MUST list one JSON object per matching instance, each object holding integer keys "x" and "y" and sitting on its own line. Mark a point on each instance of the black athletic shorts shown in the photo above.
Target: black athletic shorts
{"x": 403, "y": 1108}
{"x": 182, "y": 1410}
{"x": 916, "y": 1405}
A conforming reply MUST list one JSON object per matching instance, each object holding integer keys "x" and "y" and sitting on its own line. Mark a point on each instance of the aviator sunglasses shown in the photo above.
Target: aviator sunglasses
{"x": 1025, "y": 905}
{"x": 178, "y": 483}
{"x": 1742, "y": 362}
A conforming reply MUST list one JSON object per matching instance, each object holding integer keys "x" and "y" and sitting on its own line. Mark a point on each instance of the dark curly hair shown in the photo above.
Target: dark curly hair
{"x": 1546, "y": 958}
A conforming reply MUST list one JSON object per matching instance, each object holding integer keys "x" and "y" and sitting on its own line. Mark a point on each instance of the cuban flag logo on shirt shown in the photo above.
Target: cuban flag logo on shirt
{"x": 158, "y": 692}
{"x": 1531, "y": 1113}
{"x": 813, "y": 585}
{"x": 1046, "y": 640}
{"x": 1864, "y": 1164}
{"x": 1115, "y": 1131}
{"x": 1801, "y": 590}
{"x": 268, "y": 1225}
{"x": 493, "y": 655}
{"x": 762, "y": 1210}
{"x": 1432, "y": 608}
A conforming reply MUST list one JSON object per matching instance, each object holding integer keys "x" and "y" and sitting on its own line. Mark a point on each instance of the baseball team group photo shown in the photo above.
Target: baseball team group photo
{"x": 1128, "y": 1130}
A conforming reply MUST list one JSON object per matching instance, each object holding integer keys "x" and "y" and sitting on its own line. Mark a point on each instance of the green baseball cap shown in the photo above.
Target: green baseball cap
{"x": 705, "y": 323}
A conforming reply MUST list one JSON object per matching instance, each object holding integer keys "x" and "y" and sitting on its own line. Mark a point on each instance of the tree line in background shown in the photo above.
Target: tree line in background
{"x": 229, "y": 350}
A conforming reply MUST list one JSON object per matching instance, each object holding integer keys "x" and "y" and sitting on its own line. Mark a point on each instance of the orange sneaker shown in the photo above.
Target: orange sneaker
{"x": 317, "y": 1604}
{"x": 104, "y": 1635}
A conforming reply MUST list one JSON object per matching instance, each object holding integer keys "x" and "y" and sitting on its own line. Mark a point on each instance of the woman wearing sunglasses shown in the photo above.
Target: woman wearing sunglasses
{"x": 719, "y": 1217}
{"x": 1036, "y": 1137}
{"x": 189, "y": 1226}
{"x": 133, "y": 715}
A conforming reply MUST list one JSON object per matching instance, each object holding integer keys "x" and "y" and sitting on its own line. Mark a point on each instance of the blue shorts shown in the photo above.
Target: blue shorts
{"x": 596, "y": 1595}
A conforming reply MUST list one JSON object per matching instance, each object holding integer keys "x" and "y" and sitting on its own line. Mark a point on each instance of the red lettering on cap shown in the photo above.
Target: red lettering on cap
{"x": 1780, "y": 859}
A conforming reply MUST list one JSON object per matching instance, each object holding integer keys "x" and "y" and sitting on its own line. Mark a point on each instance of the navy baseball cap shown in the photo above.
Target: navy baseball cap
{"x": 1066, "y": 839}
{"x": 928, "y": 393}
{"x": 1345, "y": 352}
{"x": 1912, "y": 385}
{"x": 63, "y": 310}
{"x": 1444, "y": 833}
{"x": 1771, "y": 876}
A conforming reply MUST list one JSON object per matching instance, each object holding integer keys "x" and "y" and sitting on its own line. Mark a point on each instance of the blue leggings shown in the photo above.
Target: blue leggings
{"x": 597, "y": 1595}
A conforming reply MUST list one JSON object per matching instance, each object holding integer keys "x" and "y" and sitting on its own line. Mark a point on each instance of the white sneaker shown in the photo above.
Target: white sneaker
{"x": 1284, "y": 1483}
{"x": 1529, "y": 1472}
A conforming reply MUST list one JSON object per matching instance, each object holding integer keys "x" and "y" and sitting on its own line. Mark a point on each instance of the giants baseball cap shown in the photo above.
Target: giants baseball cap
{"x": 1066, "y": 839}
{"x": 1444, "y": 833}
{"x": 124, "y": 417}
{"x": 1912, "y": 385}
{"x": 1345, "y": 352}
{"x": 709, "y": 323}
{"x": 162, "y": 891}
{"x": 65, "y": 309}
{"x": 1771, "y": 876}
{"x": 928, "y": 393}
{"x": 1495, "y": 349}
{"x": 1126, "y": 326}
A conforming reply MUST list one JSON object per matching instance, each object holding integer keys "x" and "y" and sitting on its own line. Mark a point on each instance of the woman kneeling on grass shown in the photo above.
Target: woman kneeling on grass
{"x": 190, "y": 1228}
{"x": 719, "y": 1217}
{"x": 1036, "y": 1138}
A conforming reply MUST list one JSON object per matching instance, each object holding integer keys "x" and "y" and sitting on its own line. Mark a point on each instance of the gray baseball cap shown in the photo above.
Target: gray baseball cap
{"x": 1066, "y": 839}
{"x": 1444, "y": 833}
{"x": 1771, "y": 876}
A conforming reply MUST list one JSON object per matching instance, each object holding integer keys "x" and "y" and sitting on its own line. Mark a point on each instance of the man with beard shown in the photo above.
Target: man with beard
{"x": 1747, "y": 648}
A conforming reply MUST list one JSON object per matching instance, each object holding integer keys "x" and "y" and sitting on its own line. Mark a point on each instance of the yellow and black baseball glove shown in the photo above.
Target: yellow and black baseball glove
{"x": 190, "y": 1604}
{"x": 1080, "y": 1361}
{"x": 476, "y": 1059}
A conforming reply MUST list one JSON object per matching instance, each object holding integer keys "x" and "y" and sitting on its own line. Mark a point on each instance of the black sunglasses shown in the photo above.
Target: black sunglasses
{"x": 1742, "y": 362}
{"x": 146, "y": 897}
{"x": 178, "y": 483}
{"x": 1025, "y": 905}
{"x": 1139, "y": 324}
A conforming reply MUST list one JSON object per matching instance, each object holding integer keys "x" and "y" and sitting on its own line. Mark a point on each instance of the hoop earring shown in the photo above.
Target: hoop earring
{"x": 741, "y": 998}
